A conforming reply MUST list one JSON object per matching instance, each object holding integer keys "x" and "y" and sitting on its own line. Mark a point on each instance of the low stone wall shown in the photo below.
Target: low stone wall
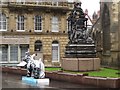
{"x": 87, "y": 80}
{"x": 14, "y": 70}
{"x": 74, "y": 78}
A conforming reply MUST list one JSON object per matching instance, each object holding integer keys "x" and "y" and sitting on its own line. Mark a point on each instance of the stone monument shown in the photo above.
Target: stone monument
{"x": 80, "y": 53}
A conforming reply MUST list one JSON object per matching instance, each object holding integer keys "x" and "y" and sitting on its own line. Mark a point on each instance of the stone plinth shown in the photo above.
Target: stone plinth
{"x": 81, "y": 64}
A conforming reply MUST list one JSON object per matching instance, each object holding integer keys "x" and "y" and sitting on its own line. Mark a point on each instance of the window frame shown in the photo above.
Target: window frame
{"x": 2, "y": 17}
{"x": 37, "y": 44}
{"x": 58, "y": 58}
{"x": 1, "y": 46}
{"x": 54, "y": 24}
{"x": 23, "y": 48}
{"x": 10, "y": 53}
{"x": 20, "y": 23}
{"x": 38, "y": 24}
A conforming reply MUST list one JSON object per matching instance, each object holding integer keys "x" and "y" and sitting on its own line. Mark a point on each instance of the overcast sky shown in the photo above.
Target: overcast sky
{"x": 91, "y": 5}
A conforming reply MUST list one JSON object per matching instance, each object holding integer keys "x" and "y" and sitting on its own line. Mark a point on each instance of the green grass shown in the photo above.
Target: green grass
{"x": 103, "y": 72}
{"x": 52, "y": 69}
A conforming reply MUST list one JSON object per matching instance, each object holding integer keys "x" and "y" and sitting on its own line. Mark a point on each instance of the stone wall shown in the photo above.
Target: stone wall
{"x": 99, "y": 82}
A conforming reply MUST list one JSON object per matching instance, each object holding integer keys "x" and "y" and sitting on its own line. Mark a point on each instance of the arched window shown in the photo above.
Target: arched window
{"x": 38, "y": 45}
{"x": 38, "y": 23}
{"x": 20, "y": 22}
{"x": 3, "y": 22}
{"x": 55, "y": 42}
{"x": 55, "y": 51}
{"x": 55, "y": 24}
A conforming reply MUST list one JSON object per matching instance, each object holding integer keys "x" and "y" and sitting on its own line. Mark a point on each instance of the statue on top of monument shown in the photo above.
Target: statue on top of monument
{"x": 80, "y": 44}
{"x": 77, "y": 25}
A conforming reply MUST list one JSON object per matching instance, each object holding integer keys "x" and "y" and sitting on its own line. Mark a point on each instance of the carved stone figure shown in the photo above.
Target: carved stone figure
{"x": 77, "y": 25}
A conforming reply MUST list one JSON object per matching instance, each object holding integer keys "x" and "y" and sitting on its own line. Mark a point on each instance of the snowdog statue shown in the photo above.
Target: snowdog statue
{"x": 34, "y": 67}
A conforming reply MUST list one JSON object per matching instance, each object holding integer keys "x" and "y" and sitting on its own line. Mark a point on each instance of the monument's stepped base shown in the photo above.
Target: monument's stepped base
{"x": 80, "y": 51}
{"x": 81, "y": 64}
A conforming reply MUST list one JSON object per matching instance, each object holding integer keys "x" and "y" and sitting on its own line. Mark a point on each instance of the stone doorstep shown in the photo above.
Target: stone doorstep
{"x": 74, "y": 78}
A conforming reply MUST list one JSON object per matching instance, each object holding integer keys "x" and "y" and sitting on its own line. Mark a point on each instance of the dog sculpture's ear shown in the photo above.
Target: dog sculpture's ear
{"x": 32, "y": 56}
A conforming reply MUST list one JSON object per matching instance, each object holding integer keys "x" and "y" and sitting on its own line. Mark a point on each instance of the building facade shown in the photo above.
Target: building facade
{"x": 40, "y": 27}
{"x": 106, "y": 33}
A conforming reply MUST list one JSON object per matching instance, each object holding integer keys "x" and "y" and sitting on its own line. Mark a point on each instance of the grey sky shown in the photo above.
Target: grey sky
{"x": 91, "y": 5}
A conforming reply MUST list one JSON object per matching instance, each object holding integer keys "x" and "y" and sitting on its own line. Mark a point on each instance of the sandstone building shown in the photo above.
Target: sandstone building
{"x": 106, "y": 33}
{"x": 40, "y": 27}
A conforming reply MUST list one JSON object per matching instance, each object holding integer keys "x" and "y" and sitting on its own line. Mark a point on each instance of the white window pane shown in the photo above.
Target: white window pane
{"x": 55, "y": 28}
{"x": 4, "y": 53}
{"x": 38, "y": 23}
{"x": 55, "y": 54}
{"x": 3, "y": 22}
{"x": 55, "y": 24}
{"x": 23, "y": 50}
{"x": 20, "y": 23}
{"x": 13, "y": 52}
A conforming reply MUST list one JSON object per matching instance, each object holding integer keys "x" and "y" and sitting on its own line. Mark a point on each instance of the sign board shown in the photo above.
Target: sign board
{"x": 14, "y": 39}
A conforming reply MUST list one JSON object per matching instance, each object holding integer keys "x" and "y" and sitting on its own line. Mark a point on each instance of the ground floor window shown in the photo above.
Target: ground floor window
{"x": 55, "y": 51}
{"x": 12, "y": 53}
{"x": 23, "y": 48}
{"x": 3, "y": 53}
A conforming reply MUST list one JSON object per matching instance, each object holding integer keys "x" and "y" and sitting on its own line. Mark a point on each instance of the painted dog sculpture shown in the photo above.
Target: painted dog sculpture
{"x": 34, "y": 67}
